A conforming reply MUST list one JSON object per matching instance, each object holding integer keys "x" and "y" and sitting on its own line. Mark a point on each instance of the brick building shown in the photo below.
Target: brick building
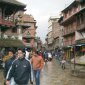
{"x": 29, "y": 34}
{"x": 57, "y": 34}
{"x": 74, "y": 26}
{"x": 54, "y": 38}
{"x": 15, "y": 25}
{"x": 8, "y": 9}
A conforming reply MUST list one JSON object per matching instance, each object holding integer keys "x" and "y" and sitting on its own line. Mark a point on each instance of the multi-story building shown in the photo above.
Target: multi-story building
{"x": 15, "y": 24}
{"x": 57, "y": 34}
{"x": 74, "y": 25}
{"x": 29, "y": 34}
{"x": 49, "y": 35}
{"x": 38, "y": 44}
{"x": 54, "y": 38}
{"x": 61, "y": 41}
{"x": 8, "y": 9}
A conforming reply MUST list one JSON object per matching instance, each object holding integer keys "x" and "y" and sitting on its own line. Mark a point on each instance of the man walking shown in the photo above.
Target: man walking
{"x": 20, "y": 70}
{"x": 9, "y": 62}
{"x": 37, "y": 64}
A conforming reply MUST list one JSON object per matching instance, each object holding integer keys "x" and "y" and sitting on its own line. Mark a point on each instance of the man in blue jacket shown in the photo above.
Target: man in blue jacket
{"x": 20, "y": 70}
{"x": 9, "y": 62}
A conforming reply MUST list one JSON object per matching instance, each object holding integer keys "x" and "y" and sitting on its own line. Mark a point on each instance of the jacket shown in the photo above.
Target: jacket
{"x": 37, "y": 62}
{"x": 21, "y": 71}
{"x": 8, "y": 64}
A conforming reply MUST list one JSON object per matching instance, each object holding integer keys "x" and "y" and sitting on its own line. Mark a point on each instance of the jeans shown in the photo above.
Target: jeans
{"x": 37, "y": 76}
{"x": 12, "y": 82}
{"x": 20, "y": 84}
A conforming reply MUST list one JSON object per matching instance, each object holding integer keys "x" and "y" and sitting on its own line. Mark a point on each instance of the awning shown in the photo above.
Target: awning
{"x": 11, "y": 43}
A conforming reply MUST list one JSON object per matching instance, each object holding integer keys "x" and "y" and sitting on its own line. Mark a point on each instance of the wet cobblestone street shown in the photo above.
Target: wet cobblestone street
{"x": 1, "y": 77}
{"x": 52, "y": 74}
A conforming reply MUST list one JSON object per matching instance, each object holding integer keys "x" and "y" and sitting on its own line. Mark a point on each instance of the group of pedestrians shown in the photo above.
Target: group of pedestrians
{"x": 47, "y": 56}
{"x": 61, "y": 57}
{"x": 18, "y": 68}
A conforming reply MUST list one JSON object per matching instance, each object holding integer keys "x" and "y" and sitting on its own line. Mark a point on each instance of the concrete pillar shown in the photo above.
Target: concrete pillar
{"x": 19, "y": 32}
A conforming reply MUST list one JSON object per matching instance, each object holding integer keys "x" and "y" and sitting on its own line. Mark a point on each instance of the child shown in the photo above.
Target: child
{"x": 63, "y": 61}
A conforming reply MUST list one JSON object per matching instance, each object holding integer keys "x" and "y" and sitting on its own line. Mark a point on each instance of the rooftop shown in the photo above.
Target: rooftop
{"x": 14, "y": 2}
{"x": 68, "y": 7}
{"x": 74, "y": 3}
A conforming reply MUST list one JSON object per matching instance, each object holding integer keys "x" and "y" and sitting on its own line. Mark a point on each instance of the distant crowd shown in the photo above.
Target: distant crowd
{"x": 21, "y": 66}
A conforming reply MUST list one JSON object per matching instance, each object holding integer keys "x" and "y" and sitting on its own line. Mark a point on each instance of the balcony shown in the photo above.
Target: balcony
{"x": 73, "y": 16}
{"x": 69, "y": 42}
{"x": 68, "y": 32}
{"x": 24, "y": 25}
{"x": 81, "y": 26}
{"x": 6, "y": 23}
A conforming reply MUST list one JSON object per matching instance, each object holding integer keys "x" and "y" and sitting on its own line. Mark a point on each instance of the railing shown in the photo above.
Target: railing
{"x": 6, "y": 23}
{"x": 66, "y": 32}
{"x": 74, "y": 13}
{"x": 78, "y": 27}
{"x": 69, "y": 42}
{"x": 81, "y": 26}
{"x": 24, "y": 24}
{"x": 70, "y": 16}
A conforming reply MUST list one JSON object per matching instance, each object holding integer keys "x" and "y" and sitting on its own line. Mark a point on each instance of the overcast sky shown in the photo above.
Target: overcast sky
{"x": 42, "y": 10}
